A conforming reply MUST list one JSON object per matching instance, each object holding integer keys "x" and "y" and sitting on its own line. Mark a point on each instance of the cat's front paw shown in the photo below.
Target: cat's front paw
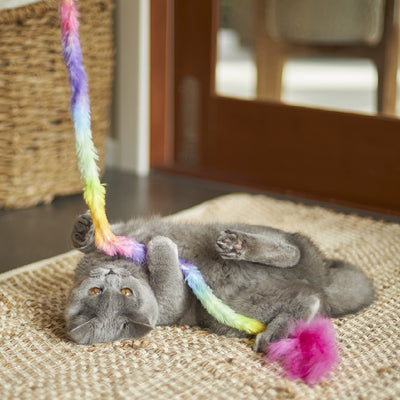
{"x": 162, "y": 251}
{"x": 83, "y": 233}
{"x": 230, "y": 245}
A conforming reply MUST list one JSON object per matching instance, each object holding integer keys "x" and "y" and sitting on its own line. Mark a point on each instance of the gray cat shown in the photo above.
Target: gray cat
{"x": 261, "y": 272}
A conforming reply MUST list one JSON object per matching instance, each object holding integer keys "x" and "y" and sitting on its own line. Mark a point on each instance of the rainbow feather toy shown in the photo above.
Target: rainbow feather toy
{"x": 302, "y": 365}
{"x": 94, "y": 191}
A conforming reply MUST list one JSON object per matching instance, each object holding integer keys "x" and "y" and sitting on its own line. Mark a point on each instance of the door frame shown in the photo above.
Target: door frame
{"x": 309, "y": 153}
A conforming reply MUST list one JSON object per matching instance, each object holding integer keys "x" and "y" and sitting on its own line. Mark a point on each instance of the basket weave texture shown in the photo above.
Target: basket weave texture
{"x": 37, "y": 150}
{"x": 38, "y": 362}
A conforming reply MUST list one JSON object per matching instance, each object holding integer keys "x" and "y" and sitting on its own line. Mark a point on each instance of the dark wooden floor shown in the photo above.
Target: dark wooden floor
{"x": 43, "y": 231}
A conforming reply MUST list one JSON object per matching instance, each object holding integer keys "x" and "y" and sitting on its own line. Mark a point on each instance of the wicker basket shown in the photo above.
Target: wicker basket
{"x": 37, "y": 150}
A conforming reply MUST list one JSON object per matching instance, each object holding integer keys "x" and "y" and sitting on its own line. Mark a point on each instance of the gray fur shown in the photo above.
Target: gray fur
{"x": 261, "y": 272}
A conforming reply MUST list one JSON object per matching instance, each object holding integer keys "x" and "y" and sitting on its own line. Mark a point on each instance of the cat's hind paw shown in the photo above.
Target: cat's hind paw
{"x": 230, "y": 245}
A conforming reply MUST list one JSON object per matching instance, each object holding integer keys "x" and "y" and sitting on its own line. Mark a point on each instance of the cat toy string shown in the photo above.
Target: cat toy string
{"x": 94, "y": 191}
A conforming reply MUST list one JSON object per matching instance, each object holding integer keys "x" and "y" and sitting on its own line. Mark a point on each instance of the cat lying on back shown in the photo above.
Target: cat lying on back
{"x": 260, "y": 272}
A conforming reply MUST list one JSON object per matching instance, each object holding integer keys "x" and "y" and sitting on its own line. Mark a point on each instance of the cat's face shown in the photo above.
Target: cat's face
{"x": 111, "y": 299}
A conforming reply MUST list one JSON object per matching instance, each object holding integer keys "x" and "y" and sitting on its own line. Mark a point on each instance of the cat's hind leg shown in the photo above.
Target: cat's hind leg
{"x": 271, "y": 248}
{"x": 303, "y": 307}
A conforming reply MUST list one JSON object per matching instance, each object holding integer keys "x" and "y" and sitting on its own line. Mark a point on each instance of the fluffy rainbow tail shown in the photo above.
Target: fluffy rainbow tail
{"x": 94, "y": 191}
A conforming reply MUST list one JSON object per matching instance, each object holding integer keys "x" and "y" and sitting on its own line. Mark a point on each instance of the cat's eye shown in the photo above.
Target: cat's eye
{"x": 126, "y": 292}
{"x": 95, "y": 290}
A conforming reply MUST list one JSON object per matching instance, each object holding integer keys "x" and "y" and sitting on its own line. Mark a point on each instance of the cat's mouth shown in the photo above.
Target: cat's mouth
{"x": 111, "y": 272}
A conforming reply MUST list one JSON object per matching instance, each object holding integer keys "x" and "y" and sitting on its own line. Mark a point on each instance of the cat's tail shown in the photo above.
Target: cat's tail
{"x": 349, "y": 289}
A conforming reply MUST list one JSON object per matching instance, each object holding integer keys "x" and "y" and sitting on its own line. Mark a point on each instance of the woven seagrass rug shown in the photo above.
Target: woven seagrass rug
{"x": 38, "y": 362}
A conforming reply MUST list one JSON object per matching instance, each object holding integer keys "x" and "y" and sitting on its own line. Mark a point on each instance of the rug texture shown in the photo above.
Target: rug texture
{"x": 38, "y": 362}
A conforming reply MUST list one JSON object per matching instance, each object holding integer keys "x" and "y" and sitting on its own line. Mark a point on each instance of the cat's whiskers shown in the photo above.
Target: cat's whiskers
{"x": 81, "y": 325}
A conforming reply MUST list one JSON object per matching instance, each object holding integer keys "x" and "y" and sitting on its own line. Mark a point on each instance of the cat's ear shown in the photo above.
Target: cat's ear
{"x": 82, "y": 235}
{"x": 138, "y": 326}
{"x": 83, "y": 333}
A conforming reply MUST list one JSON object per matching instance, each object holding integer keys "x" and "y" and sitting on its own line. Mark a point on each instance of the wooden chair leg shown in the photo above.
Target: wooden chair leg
{"x": 386, "y": 62}
{"x": 269, "y": 59}
{"x": 269, "y": 74}
{"x": 387, "y": 88}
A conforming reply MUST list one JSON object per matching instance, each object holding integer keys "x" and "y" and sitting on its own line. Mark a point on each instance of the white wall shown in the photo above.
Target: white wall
{"x": 128, "y": 149}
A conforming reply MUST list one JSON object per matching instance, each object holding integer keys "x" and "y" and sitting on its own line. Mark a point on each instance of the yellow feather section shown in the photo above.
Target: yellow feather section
{"x": 94, "y": 195}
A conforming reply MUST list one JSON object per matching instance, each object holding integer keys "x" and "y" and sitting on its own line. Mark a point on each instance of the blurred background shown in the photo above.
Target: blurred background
{"x": 297, "y": 99}
{"x": 318, "y": 47}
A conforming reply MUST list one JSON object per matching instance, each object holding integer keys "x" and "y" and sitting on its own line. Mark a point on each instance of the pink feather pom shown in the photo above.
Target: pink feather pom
{"x": 309, "y": 353}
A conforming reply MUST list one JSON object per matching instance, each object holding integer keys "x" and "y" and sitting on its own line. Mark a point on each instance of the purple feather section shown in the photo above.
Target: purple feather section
{"x": 72, "y": 53}
{"x": 126, "y": 247}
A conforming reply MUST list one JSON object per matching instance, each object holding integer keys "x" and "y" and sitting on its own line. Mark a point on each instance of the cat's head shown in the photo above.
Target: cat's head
{"x": 111, "y": 299}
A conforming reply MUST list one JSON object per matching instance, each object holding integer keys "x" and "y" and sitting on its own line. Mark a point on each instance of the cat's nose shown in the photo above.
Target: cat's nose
{"x": 111, "y": 272}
